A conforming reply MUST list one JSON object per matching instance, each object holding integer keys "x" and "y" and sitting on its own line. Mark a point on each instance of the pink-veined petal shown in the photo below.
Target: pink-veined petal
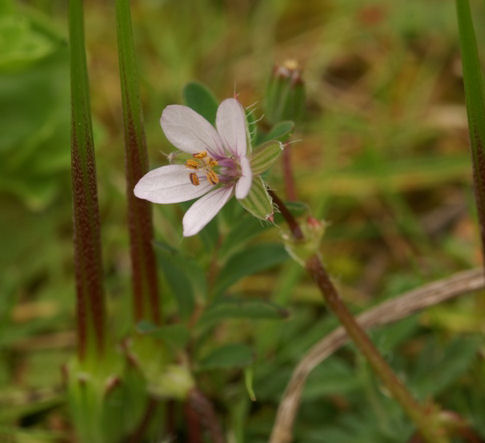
{"x": 189, "y": 131}
{"x": 231, "y": 125}
{"x": 170, "y": 184}
{"x": 205, "y": 209}
{"x": 243, "y": 185}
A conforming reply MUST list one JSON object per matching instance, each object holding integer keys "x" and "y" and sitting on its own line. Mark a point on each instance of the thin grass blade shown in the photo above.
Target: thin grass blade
{"x": 475, "y": 104}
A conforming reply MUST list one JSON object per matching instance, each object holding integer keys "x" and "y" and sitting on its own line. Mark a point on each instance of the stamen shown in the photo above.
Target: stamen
{"x": 212, "y": 163}
{"x": 212, "y": 177}
{"x": 192, "y": 164}
{"x": 194, "y": 179}
{"x": 200, "y": 154}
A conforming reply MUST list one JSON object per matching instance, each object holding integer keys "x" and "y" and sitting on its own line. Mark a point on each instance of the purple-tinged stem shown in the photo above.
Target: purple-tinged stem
{"x": 202, "y": 406}
{"x": 143, "y": 262}
{"x": 475, "y": 105}
{"x": 87, "y": 244}
{"x": 424, "y": 421}
{"x": 289, "y": 180}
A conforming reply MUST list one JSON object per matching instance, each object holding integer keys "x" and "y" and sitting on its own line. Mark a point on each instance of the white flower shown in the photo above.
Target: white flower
{"x": 219, "y": 166}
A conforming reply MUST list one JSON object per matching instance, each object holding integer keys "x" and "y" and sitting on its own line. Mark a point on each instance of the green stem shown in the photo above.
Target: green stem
{"x": 87, "y": 243}
{"x": 425, "y": 422}
{"x": 143, "y": 262}
{"x": 475, "y": 105}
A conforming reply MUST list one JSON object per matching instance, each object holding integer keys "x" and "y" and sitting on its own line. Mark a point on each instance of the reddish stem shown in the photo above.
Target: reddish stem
{"x": 290, "y": 188}
{"x": 202, "y": 406}
{"x": 426, "y": 423}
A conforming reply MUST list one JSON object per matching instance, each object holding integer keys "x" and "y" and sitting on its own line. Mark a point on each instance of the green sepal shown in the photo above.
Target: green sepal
{"x": 265, "y": 156}
{"x": 258, "y": 202}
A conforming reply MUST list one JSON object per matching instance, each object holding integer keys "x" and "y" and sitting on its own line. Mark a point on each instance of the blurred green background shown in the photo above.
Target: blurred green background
{"x": 382, "y": 155}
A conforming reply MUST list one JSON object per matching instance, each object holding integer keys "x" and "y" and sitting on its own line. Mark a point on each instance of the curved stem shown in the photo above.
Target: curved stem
{"x": 387, "y": 312}
{"x": 426, "y": 424}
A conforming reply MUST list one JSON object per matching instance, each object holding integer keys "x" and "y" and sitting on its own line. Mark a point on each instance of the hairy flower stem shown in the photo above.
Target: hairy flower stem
{"x": 290, "y": 188}
{"x": 143, "y": 263}
{"x": 90, "y": 310}
{"x": 425, "y": 423}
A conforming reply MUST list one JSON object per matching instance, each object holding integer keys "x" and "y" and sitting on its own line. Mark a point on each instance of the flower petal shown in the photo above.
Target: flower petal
{"x": 243, "y": 185}
{"x": 205, "y": 209}
{"x": 231, "y": 125}
{"x": 170, "y": 184}
{"x": 189, "y": 131}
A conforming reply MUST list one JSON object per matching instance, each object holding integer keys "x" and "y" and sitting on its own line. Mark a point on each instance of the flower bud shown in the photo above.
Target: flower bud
{"x": 301, "y": 250}
{"x": 285, "y": 93}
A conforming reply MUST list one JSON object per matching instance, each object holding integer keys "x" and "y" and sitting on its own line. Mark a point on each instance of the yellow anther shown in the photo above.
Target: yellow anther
{"x": 193, "y": 164}
{"x": 200, "y": 154}
{"x": 194, "y": 179}
{"x": 212, "y": 177}
{"x": 212, "y": 163}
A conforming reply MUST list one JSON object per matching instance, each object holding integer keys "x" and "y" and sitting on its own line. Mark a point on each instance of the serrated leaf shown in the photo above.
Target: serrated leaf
{"x": 265, "y": 156}
{"x": 258, "y": 202}
{"x": 228, "y": 356}
{"x": 254, "y": 259}
{"x": 201, "y": 99}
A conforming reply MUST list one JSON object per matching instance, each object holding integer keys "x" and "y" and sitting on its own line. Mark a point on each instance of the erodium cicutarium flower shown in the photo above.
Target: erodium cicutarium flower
{"x": 218, "y": 168}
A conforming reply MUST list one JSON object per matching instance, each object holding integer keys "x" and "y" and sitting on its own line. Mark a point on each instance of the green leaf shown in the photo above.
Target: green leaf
{"x": 438, "y": 367}
{"x": 248, "y": 382}
{"x": 254, "y": 259}
{"x": 280, "y": 131}
{"x": 244, "y": 230}
{"x": 201, "y": 99}
{"x": 228, "y": 307}
{"x": 227, "y": 356}
{"x": 176, "y": 336}
{"x": 20, "y": 43}
{"x": 258, "y": 202}
{"x": 265, "y": 156}
{"x": 177, "y": 279}
{"x": 333, "y": 377}
{"x": 475, "y": 104}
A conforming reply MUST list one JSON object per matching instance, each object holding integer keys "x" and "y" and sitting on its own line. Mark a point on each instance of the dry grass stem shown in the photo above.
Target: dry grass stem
{"x": 387, "y": 312}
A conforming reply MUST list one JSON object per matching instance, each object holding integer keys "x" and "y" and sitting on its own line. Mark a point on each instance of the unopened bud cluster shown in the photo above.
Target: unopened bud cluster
{"x": 285, "y": 93}
{"x": 301, "y": 250}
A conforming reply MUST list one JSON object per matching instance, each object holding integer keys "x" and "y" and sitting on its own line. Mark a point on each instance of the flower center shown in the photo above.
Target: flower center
{"x": 204, "y": 163}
